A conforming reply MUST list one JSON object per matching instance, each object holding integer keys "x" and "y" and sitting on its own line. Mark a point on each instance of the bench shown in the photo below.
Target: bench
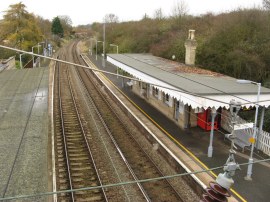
{"x": 241, "y": 139}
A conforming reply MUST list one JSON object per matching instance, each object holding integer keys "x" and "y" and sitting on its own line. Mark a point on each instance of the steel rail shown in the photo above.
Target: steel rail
{"x": 85, "y": 138}
{"x": 111, "y": 137}
{"x": 63, "y": 132}
{"x": 138, "y": 144}
{"x": 118, "y": 148}
{"x": 134, "y": 139}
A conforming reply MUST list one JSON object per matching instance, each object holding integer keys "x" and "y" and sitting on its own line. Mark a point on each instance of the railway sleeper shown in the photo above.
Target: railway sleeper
{"x": 92, "y": 198}
{"x": 75, "y": 148}
{"x": 83, "y": 158}
{"x": 78, "y": 155}
{"x": 81, "y": 168}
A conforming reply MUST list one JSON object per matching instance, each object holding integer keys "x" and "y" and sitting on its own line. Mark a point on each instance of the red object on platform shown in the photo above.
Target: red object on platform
{"x": 204, "y": 120}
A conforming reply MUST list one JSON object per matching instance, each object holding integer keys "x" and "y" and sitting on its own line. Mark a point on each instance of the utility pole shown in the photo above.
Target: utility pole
{"x": 210, "y": 148}
{"x": 254, "y": 136}
{"x": 104, "y": 29}
{"x": 219, "y": 190}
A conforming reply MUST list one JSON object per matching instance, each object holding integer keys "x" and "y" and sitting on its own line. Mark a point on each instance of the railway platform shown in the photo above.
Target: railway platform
{"x": 196, "y": 141}
{"x": 24, "y": 132}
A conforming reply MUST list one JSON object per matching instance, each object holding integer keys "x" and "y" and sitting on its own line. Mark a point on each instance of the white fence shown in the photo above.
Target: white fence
{"x": 263, "y": 142}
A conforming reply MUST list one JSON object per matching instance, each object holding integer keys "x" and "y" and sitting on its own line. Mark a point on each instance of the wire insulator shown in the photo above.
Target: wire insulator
{"x": 215, "y": 193}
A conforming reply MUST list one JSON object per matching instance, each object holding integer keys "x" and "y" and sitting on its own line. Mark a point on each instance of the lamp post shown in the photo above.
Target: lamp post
{"x": 90, "y": 49}
{"x": 250, "y": 161}
{"x": 42, "y": 50}
{"x": 115, "y": 46}
{"x": 21, "y": 59}
{"x": 117, "y": 53}
{"x": 219, "y": 189}
{"x": 210, "y": 148}
{"x": 104, "y": 31}
{"x": 97, "y": 46}
{"x": 50, "y": 49}
{"x": 33, "y": 52}
{"x": 91, "y": 44}
{"x": 234, "y": 109}
{"x": 39, "y": 43}
{"x": 96, "y": 49}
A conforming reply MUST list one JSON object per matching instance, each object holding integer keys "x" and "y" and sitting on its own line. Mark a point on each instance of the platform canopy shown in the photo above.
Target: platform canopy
{"x": 193, "y": 86}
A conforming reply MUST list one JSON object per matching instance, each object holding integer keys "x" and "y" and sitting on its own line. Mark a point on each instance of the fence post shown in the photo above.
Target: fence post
{"x": 260, "y": 129}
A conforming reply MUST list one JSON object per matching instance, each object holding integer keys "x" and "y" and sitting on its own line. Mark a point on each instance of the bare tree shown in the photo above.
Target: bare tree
{"x": 266, "y": 4}
{"x": 180, "y": 9}
{"x": 158, "y": 14}
{"x": 66, "y": 23}
{"x": 111, "y": 18}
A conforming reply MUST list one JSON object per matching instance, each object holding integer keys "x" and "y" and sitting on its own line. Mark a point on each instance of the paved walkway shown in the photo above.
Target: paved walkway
{"x": 197, "y": 141}
{"x": 24, "y": 132}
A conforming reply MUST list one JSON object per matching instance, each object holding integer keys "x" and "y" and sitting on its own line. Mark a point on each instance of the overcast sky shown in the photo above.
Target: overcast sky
{"x": 89, "y": 11}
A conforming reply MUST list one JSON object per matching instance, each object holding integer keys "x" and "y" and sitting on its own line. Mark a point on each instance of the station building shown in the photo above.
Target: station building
{"x": 184, "y": 93}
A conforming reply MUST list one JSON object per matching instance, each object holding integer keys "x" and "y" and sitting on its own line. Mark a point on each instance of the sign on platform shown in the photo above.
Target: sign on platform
{"x": 243, "y": 126}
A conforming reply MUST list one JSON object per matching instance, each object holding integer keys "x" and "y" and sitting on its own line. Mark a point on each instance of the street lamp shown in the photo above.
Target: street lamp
{"x": 97, "y": 46}
{"x": 115, "y": 46}
{"x": 40, "y": 45}
{"x": 210, "y": 147}
{"x": 117, "y": 53}
{"x": 220, "y": 188}
{"x": 21, "y": 59}
{"x": 91, "y": 48}
{"x": 250, "y": 161}
{"x": 104, "y": 31}
{"x": 33, "y": 52}
{"x": 42, "y": 50}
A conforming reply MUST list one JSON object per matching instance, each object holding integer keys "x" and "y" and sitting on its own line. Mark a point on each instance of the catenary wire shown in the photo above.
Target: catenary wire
{"x": 200, "y": 118}
{"x": 126, "y": 183}
{"x": 106, "y": 72}
{"x": 149, "y": 83}
{"x": 195, "y": 81}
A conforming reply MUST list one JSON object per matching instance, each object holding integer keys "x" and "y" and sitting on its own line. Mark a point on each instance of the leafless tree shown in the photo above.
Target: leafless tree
{"x": 66, "y": 23}
{"x": 180, "y": 9}
{"x": 266, "y": 4}
{"x": 111, "y": 18}
{"x": 158, "y": 14}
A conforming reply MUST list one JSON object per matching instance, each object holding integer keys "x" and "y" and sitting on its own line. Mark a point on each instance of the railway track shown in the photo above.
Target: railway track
{"x": 139, "y": 161}
{"x": 96, "y": 146}
{"x": 75, "y": 165}
{"x": 77, "y": 143}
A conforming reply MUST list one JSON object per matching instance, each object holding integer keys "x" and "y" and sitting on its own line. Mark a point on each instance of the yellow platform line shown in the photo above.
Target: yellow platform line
{"x": 168, "y": 134}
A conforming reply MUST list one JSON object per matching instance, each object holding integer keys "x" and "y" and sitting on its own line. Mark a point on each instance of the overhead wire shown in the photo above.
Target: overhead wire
{"x": 179, "y": 144}
{"x": 126, "y": 183}
{"x": 204, "y": 120}
{"x": 233, "y": 191}
{"x": 131, "y": 78}
{"x": 106, "y": 72}
{"x": 194, "y": 81}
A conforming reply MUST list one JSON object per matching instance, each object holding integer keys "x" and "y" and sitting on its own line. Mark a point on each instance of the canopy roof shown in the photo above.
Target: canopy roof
{"x": 193, "y": 86}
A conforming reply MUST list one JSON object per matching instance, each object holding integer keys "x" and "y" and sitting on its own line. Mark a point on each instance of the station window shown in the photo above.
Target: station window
{"x": 155, "y": 92}
{"x": 166, "y": 98}
{"x": 144, "y": 85}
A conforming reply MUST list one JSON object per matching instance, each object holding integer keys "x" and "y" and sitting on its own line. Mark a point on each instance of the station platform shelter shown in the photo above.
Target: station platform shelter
{"x": 187, "y": 94}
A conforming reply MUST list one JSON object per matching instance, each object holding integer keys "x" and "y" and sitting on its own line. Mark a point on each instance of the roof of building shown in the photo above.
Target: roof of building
{"x": 186, "y": 78}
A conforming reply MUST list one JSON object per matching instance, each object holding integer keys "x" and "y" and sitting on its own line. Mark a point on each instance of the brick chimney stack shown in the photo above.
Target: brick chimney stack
{"x": 191, "y": 45}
